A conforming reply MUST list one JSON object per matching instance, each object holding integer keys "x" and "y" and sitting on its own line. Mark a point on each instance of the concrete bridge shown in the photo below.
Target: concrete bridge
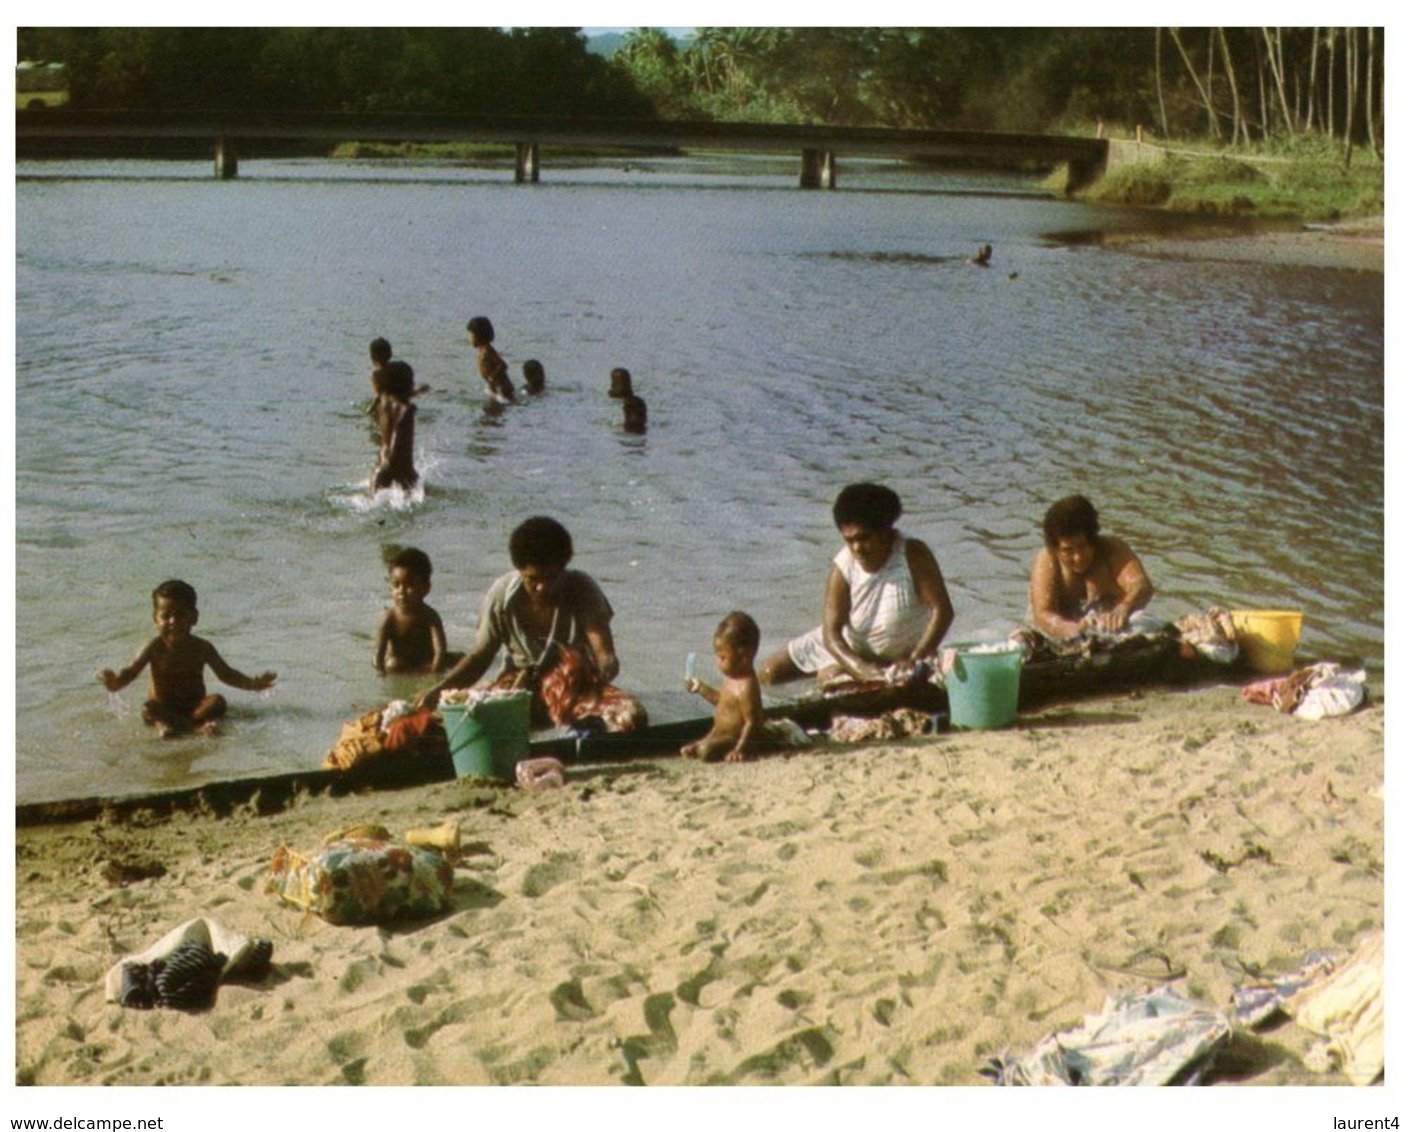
{"x": 819, "y": 146}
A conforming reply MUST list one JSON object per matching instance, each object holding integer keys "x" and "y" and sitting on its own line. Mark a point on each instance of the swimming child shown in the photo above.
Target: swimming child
{"x": 634, "y": 414}
{"x": 739, "y": 706}
{"x": 177, "y": 700}
{"x": 492, "y": 367}
{"x": 395, "y": 416}
{"x": 981, "y": 258}
{"x": 533, "y": 376}
{"x": 411, "y": 637}
{"x": 621, "y": 383}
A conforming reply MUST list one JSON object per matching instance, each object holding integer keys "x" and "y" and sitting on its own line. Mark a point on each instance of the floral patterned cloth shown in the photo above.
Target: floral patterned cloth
{"x": 570, "y": 689}
{"x": 363, "y": 881}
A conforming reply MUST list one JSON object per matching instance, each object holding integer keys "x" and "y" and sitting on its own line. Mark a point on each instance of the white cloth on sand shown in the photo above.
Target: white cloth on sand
{"x": 236, "y": 948}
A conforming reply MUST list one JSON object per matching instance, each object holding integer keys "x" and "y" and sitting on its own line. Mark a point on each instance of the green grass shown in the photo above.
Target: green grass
{"x": 1306, "y": 181}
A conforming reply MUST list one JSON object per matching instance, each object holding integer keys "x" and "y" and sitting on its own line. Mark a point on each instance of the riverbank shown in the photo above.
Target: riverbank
{"x": 884, "y": 914}
{"x": 1355, "y": 245}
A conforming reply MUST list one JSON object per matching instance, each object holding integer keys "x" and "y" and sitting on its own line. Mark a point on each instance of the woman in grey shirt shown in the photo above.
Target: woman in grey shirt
{"x": 554, "y": 625}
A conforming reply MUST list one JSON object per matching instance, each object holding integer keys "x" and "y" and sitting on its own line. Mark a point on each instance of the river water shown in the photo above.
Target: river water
{"x": 192, "y": 360}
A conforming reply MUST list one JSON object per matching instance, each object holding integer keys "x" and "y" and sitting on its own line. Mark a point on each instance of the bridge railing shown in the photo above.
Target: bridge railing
{"x": 819, "y": 144}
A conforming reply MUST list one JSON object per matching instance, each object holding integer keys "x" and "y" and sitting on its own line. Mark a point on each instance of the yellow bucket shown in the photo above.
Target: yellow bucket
{"x": 1267, "y": 637}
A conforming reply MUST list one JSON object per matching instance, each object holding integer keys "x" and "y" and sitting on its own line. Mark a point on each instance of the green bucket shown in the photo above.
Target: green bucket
{"x": 489, "y": 737}
{"x": 983, "y": 686}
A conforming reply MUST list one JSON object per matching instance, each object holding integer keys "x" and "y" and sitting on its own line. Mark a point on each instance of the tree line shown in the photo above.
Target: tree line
{"x": 427, "y": 70}
{"x": 1235, "y": 85}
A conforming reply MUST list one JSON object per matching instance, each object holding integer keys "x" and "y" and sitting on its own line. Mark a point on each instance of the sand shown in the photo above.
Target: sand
{"x": 891, "y": 914}
{"x": 1357, "y": 245}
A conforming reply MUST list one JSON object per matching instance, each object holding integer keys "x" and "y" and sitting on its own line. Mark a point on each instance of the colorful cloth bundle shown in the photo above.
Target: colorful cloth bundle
{"x": 363, "y": 881}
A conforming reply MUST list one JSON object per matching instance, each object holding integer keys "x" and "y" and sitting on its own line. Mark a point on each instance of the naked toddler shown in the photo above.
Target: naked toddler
{"x": 411, "y": 637}
{"x": 739, "y": 706}
{"x": 177, "y": 700}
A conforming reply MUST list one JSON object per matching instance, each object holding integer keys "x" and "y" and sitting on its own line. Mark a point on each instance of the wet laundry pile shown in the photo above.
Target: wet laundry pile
{"x": 388, "y": 730}
{"x": 900, "y": 723}
{"x": 1211, "y": 633}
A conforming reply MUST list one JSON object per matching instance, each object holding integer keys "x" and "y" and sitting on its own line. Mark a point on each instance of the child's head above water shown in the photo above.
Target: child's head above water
{"x": 174, "y": 610}
{"x": 416, "y": 563}
{"x": 380, "y": 351}
{"x": 480, "y": 330}
{"x": 534, "y": 376}
{"x": 621, "y": 383}
{"x": 409, "y": 574}
{"x": 175, "y": 592}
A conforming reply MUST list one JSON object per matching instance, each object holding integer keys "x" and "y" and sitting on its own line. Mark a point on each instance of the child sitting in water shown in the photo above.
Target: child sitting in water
{"x": 533, "y": 377}
{"x": 411, "y": 637}
{"x": 177, "y": 700}
{"x": 395, "y": 416}
{"x": 492, "y": 367}
{"x": 739, "y": 706}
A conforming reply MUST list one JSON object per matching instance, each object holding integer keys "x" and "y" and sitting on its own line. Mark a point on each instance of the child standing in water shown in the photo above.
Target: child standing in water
{"x": 380, "y": 351}
{"x": 739, "y": 706}
{"x": 493, "y": 370}
{"x": 411, "y": 637}
{"x": 395, "y": 416}
{"x": 634, "y": 414}
{"x": 177, "y": 700}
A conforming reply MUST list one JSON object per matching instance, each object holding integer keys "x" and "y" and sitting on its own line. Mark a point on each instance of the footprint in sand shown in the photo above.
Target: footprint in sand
{"x": 540, "y": 878}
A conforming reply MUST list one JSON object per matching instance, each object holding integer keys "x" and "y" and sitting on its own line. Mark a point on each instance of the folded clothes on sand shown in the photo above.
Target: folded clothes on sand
{"x": 183, "y": 969}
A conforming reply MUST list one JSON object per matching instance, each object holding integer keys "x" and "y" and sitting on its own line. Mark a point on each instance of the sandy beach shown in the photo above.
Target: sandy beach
{"x": 891, "y": 914}
{"x": 1354, "y": 245}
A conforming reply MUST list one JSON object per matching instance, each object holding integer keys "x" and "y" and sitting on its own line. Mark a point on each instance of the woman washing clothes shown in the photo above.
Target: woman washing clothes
{"x": 555, "y": 627}
{"x": 885, "y": 605}
{"x": 1081, "y": 580}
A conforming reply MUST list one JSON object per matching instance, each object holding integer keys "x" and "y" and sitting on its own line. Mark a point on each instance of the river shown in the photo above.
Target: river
{"x": 192, "y": 361}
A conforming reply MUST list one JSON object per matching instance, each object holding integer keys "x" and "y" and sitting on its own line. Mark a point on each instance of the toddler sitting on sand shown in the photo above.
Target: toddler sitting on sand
{"x": 739, "y": 706}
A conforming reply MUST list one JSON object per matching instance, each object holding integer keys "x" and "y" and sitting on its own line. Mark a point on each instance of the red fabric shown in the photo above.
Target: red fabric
{"x": 573, "y": 689}
{"x": 408, "y": 730}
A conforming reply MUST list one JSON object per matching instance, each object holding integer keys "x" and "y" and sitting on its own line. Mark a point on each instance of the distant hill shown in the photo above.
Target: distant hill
{"x": 605, "y": 43}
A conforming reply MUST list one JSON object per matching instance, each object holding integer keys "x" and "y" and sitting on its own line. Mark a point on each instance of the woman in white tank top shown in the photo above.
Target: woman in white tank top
{"x": 885, "y": 601}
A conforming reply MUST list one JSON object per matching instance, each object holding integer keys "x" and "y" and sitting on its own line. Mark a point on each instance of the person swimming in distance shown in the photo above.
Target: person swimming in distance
{"x": 981, "y": 258}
